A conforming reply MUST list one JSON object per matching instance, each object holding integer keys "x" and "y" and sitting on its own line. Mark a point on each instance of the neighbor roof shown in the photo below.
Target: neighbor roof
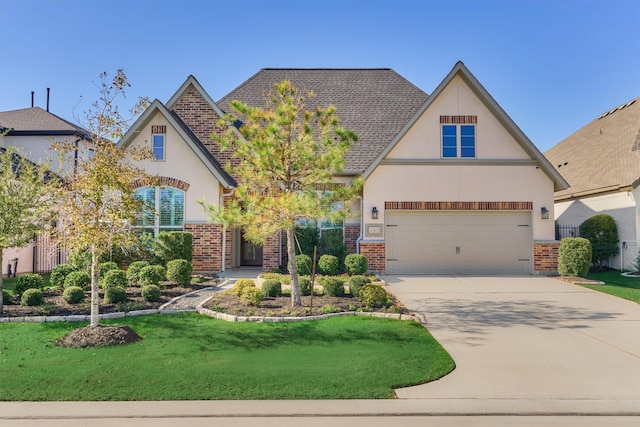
{"x": 375, "y": 103}
{"x": 602, "y": 156}
{"x": 36, "y": 121}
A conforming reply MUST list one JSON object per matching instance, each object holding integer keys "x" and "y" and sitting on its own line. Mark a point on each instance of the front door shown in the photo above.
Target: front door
{"x": 251, "y": 253}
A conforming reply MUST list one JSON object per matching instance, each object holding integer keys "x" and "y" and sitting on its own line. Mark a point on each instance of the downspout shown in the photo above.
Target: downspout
{"x": 224, "y": 230}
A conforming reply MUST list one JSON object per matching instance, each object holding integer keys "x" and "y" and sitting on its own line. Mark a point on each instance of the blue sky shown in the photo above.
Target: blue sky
{"x": 553, "y": 65}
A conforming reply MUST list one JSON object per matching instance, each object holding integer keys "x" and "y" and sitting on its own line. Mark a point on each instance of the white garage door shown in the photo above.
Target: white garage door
{"x": 454, "y": 242}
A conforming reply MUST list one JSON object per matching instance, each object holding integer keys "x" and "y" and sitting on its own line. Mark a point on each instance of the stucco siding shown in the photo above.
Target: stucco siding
{"x": 183, "y": 164}
{"x": 621, "y": 206}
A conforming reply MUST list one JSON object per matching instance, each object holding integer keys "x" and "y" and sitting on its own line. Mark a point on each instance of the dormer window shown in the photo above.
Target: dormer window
{"x": 458, "y": 136}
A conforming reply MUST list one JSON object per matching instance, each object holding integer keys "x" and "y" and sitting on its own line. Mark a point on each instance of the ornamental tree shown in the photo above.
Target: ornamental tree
{"x": 98, "y": 204}
{"x": 25, "y": 201}
{"x": 602, "y": 231}
{"x": 283, "y": 155}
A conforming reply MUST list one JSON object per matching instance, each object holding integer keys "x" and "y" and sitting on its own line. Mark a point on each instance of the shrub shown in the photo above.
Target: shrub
{"x": 114, "y": 295}
{"x": 304, "y": 283}
{"x": 328, "y": 264}
{"x": 151, "y": 293}
{"x": 81, "y": 279}
{"x": 373, "y": 295}
{"x": 133, "y": 272}
{"x": 73, "y": 295}
{"x": 355, "y": 264}
{"x": 240, "y": 284}
{"x": 5, "y": 296}
{"x": 251, "y": 295}
{"x": 304, "y": 264}
{"x": 170, "y": 245}
{"x": 332, "y": 287}
{"x": 28, "y": 281}
{"x": 152, "y": 275}
{"x": 574, "y": 256}
{"x": 602, "y": 231}
{"x": 80, "y": 260}
{"x": 306, "y": 239}
{"x": 59, "y": 273}
{"x": 636, "y": 266}
{"x": 32, "y": 296}
{"x": 104, "y": 267}
{"x": 356, "y": 283}
{"x": 115, "y": 278}
{"x": 179, "y": 270}
{"x": 272, "y": 288}
{"x": 332, "y": 243}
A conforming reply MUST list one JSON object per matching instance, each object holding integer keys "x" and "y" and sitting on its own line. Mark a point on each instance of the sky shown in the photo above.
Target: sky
{"x": 552, "y": 65}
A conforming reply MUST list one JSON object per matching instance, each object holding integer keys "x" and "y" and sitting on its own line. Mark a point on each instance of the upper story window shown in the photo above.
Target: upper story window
{"x": 458, "y": 136}
{"x": 158, "y": 139}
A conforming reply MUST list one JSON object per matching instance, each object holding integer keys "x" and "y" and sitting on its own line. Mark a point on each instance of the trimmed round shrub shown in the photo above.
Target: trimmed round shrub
{"x": 574, "y": 257}
{"x": 114, "y": 295}
{"x": 304, "y": 264}
{"x": 59, "y": 273}
{"x": 373, "y": 295}
{"x": 81, "y": 279}
{"x": 601, "y": 230}
{"x": 152, "y": 275}
{"x": 356, "y": 283}
{"x": 251, "y": 296}
{"x": 105, "y": 267}
{"x": 272, "y": 288}
{"x": 73, "y": 295}
{"x": 28, "y": 281}
{"x": 332, "y": 287}
{"x": 179, "y": 270}
{"x": 133, "y": 272}
{"x": 240, "y": 285}
{"x": 115, "y": 278}
{"x": 356, "y": 264}
{"x": 151, "y": 293}
{"x": 304, "y": 283}
{"x": 32, "y": 296}
{"x": 328, "y": 264}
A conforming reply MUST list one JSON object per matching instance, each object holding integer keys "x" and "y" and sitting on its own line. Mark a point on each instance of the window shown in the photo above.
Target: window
{"x": 158, "y": 147}
{"x": 458, "y": 141}
{"x": 163, "y": 209}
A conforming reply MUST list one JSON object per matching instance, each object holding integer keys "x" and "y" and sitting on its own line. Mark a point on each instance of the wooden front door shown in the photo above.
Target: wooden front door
{"x": 251, "y": 253}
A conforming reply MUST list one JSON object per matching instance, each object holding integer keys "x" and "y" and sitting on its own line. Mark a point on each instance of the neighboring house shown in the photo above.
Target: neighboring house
{"x": 34, "y": 130}
{"x": 451, "y": 184}
{"x": 601, "y": 162}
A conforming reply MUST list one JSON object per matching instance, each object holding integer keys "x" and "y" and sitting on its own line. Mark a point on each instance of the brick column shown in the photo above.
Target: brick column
{"x": 207, "y": 246}
{"x": 545, "y": 257}
{"x": 376, "y": 255}
{"x": 351, "y": 234}
{"x": 271, "y": 253}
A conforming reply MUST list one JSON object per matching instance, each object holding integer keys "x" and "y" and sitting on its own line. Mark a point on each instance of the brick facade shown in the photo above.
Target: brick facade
{"x": 545, "y": 257}
{"x": 207, "y": 246}
{"x": 376, "y": 255}
{"x": 351, "y": 234}
{"x": 271, "y": 253}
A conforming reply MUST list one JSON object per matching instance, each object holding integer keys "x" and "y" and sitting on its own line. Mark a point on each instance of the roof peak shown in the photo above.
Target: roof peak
{"x": 326, "y": 69}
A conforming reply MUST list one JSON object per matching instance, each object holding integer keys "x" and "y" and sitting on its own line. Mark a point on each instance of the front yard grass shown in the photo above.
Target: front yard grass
{"x": 193, "y": 357}
{"x": 617, "y": 284}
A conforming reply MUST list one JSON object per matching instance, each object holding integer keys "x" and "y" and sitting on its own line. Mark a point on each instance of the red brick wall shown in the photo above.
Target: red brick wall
{"x": 207, "y": 246}
{"x": 351, "y": 234}
{"x": 271, "y": 253}
{"x": 545, "y": 257}
{"x": 376, "y": 255}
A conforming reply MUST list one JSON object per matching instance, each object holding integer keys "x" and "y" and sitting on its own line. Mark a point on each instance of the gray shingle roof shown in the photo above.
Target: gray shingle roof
{"x": 602, "y": 156}
{"x": 375, "y": 103}
{"x": 35, "y": 120}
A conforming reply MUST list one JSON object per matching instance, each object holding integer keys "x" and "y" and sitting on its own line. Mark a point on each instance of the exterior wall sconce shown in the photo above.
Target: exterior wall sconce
{"x": 544, "y": 213}
{"x": 374, "y": 213}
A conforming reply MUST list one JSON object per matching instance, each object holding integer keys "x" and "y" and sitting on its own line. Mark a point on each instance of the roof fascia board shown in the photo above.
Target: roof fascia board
{"x": 497, "y": 111}
{"x": 143, "y": 121}
{"x": 192, "y": 81}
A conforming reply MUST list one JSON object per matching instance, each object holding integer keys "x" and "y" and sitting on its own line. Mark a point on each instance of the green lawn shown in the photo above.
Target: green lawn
{"x": 188, "y": 357}
{"x": 617, "y": 284}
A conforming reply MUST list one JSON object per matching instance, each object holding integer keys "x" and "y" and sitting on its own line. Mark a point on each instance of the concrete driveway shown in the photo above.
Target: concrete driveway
{"x": 533, "y": 338}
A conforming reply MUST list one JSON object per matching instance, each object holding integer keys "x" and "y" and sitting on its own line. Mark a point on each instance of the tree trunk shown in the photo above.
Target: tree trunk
{"x": 95, "y": 296}
{"x": 296, "y": 300}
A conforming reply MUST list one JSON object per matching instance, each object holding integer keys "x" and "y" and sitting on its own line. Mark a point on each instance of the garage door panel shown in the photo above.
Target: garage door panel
{"x": 459, "y": 242}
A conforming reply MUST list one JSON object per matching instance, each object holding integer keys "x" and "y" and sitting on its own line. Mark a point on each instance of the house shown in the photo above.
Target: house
{"x": 451, "y": 184}
{"x": 33, "y": 130}
{"x": 601, "y": 162}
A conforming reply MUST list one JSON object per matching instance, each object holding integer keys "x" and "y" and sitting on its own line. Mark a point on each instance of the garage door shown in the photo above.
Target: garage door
{"x": 420, "y": 242}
